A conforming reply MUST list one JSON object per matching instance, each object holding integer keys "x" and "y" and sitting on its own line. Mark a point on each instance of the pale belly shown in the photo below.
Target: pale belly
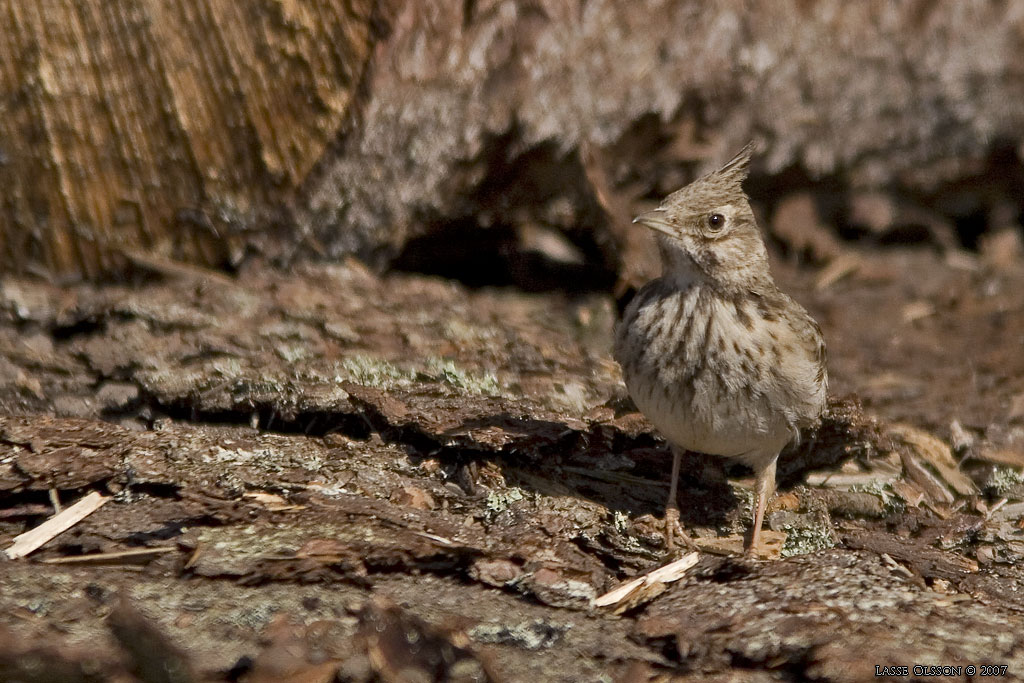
{"x": 719, "y": 426}
{"x": 707, "y": 387}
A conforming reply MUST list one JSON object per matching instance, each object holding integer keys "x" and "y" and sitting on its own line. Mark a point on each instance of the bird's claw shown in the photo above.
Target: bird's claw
{"x": 674, "y": 531}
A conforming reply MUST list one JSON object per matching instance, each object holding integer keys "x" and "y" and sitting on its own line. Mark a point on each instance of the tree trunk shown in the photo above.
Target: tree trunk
{"x": 164, "y": 127}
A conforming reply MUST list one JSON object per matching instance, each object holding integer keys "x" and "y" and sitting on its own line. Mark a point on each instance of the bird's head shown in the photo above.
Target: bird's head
{"x": 709, "y": 231}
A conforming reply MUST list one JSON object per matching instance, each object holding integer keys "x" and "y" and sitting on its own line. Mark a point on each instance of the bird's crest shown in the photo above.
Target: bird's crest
{"x": 736, "y": 169}
{"x": 720, "y": 186}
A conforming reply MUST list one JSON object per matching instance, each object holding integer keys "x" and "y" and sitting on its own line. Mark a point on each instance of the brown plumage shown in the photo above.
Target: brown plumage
{"x": 718, "y": 358}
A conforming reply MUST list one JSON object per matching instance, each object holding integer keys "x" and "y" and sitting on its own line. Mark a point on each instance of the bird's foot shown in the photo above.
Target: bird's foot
{"x": 674, "y": 531}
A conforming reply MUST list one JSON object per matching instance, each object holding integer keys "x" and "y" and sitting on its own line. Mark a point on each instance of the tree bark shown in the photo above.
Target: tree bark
{"x": 164, "y": 127}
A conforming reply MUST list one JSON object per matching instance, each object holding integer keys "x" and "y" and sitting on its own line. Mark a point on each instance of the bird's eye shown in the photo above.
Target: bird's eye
{"x": 716, "y": 221}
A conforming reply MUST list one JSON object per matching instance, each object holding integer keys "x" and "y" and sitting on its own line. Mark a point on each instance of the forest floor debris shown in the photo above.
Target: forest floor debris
{"x": 295, "y": 461}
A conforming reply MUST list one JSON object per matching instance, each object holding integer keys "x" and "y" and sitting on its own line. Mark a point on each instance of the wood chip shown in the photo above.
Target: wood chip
{"x": 771, "y": 546}
{"x": 32, "y": 540}
{"x": 930, "y": 484}
{"x": 961, "y": 259}
{"x": 911, "y": 494}
{"x": 896, "y": 566}
{"x": 936, "y": 453}
{"x": 917, "y": 310}
{"x": 272, "y": 501}
{"x": 841, "y": 266}
{"x": 1001, "y": 456}
{"x": 134, "y": 556}
{"x": 648, "y": 586}
{"x": 845, "y": 481}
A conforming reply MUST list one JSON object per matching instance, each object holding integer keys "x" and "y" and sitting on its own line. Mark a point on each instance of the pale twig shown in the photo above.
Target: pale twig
{"x": 32, "y": 540}
{"x": 663, "y": 575}
{"x": 119, "y": 557}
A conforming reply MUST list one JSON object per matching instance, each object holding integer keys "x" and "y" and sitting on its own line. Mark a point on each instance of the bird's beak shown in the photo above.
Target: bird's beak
{"x": 656, "y": 220}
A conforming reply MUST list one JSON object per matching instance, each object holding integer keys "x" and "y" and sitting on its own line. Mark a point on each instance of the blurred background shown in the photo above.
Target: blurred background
{"x": 496, "y": 142}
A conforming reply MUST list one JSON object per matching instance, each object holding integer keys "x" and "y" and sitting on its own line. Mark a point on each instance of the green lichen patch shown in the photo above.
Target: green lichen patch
{"x": 893, "y": 503}
{"x": 374, "y": 372}
{"x": 446, "y": 371}
{"x": 805, "y": 533}
{"x": 499, "y": 501}
{"x": 1006, "y": 481}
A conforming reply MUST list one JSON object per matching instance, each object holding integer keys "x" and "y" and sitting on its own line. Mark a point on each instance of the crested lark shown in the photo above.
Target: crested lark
{"x": 712, "y": 352}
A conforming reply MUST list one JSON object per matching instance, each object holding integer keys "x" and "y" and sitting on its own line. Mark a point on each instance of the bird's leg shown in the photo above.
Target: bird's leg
{"x": 672, "y": 525}
{"x": 765, "y": 487}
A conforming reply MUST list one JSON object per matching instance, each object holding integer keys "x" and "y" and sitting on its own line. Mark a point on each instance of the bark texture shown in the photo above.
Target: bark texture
{"x": 478, "y": 111}
{"x": 164, "y": 127}
{"x": 191, "y": 129}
